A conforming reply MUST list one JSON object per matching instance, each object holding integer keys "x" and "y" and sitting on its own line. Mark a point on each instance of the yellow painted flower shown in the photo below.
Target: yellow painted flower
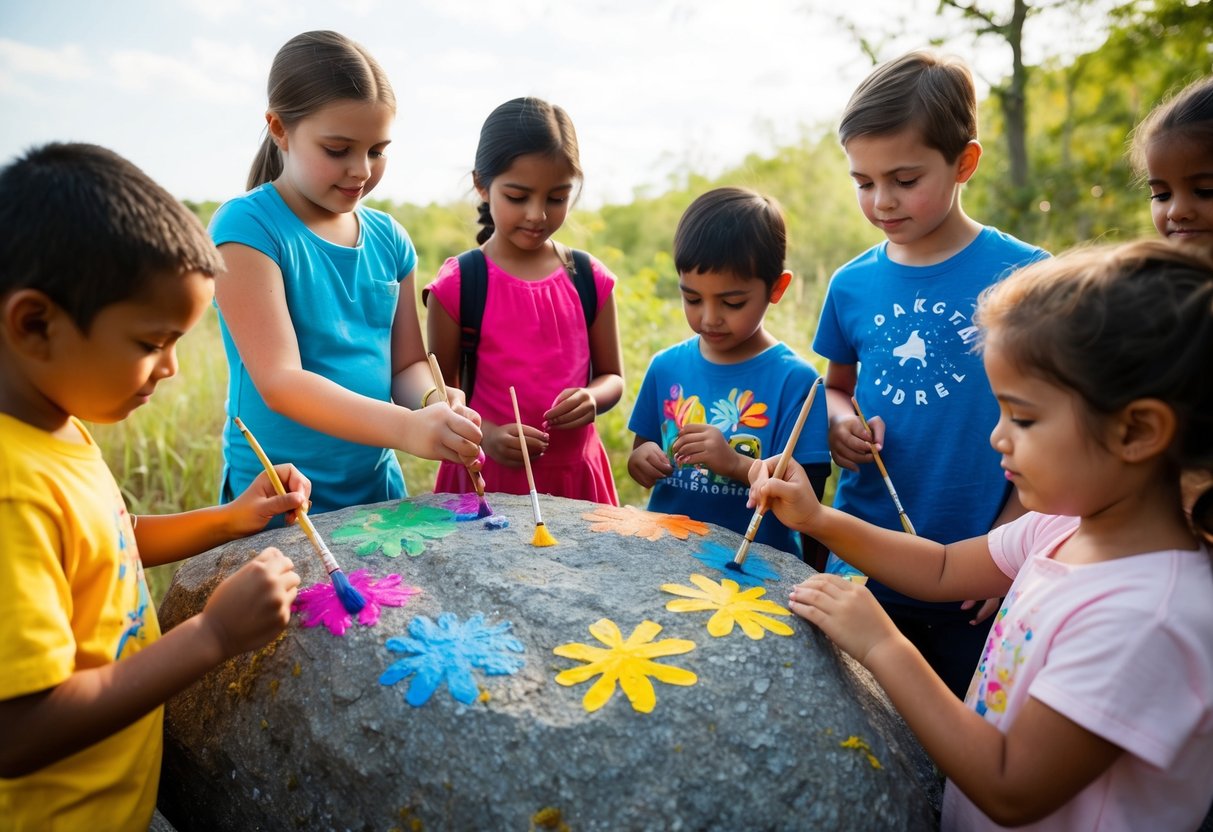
{"x": 732, "y": 606}
{"x": 628, "y": 662}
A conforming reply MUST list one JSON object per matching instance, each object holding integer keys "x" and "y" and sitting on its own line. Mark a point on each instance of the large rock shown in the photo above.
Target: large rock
{"x": 778, "y": 733}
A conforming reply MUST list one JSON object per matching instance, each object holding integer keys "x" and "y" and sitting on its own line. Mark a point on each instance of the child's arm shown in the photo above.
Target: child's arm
{"x": 648, "y": 463}
{"x": 245, "y": 611}
{"x": 1042, "y": 761}
{"x": 578, "y": 406}
{"x": 848, "y": 440}
{"x": 167, "y": 538}
{"x": 251, "y": 298}
{"x": 500, "y": 442}
{"x": 911, "y": 565}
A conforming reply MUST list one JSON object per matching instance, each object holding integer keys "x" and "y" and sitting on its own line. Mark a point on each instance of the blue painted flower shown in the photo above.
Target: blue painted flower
{"x": 753, "y": 572}
{"x": 450, "y": 650}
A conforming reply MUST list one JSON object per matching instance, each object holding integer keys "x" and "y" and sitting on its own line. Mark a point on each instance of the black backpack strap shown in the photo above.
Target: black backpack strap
{"x": 473, "y": 289}
{"x": 582, "y": 274}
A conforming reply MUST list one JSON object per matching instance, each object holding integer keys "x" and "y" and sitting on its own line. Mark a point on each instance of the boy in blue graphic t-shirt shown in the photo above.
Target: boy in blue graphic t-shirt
{"x": 711, "y": 405}
{"x": 897, "y": 329}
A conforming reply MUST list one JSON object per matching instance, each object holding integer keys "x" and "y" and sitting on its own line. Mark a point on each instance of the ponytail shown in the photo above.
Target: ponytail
{"x": 266, "y": 165}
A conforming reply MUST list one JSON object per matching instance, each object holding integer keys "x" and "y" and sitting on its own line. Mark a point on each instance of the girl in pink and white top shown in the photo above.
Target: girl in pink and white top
{"x": 1092, "y": 705}
{"x": 534, "y": 334}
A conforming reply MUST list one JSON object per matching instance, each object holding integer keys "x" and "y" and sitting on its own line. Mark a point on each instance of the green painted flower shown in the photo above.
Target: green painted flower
{"x": 402, "y": 528}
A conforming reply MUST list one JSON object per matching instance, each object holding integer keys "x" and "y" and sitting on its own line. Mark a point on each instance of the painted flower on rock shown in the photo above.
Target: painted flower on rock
{"x": 650, "y": 525}
{"x": 627, "y": 662}
{"x": 402, "y": 528}
{"x": 732, "y": 605}
{"x": 450, "y": 650}
{"x": 753, "y": 572}
{"x": 319, "y": 604}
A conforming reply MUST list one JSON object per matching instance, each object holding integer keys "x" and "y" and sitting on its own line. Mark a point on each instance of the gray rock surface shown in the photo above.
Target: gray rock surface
{"x": 302, "y": 735}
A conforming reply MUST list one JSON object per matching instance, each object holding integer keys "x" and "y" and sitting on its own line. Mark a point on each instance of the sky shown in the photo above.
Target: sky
{"x": 653, "y": 87}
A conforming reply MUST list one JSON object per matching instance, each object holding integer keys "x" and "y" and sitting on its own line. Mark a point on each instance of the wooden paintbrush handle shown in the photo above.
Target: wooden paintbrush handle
{"x": 526, "y": 457}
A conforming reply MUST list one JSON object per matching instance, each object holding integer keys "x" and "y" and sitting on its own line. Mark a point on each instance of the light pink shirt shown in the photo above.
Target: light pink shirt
{"x": 1123, "y": 648}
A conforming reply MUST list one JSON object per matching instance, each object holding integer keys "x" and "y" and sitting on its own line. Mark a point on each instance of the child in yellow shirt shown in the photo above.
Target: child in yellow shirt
{"x": 101, "y": 272}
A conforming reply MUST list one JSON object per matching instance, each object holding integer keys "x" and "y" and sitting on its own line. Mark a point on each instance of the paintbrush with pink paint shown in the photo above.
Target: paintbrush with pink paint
{"x": 477, "y": 478}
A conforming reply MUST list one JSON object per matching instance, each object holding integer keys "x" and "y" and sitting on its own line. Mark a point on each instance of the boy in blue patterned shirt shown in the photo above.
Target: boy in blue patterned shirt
{"x": 711, "y": 405}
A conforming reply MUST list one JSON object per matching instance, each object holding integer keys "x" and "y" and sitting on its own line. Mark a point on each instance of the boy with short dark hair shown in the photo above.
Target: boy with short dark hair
{"x": 710, "y": 406}
{"x": 896, "y": 327}
{"x": 101, "y": 272}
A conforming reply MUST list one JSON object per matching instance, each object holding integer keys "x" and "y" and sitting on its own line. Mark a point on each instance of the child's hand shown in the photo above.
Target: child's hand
{"x": 573, "y": 408}
{"x": 502, "y": 445}
{"x": 846, "y": 612}
{"x": 791, "y": 498}
{"x": 849, "y": 441}
{"x": 442, "y": 433}
{"x": 252, "y": 606}
{"x": 701, "y": 444}
{"x": 648, "y": 463}
{"x": 988, "y": 607}
{"x": 253, "y": 509}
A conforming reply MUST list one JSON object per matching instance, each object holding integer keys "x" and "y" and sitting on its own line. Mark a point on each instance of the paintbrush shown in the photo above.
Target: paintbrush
{"x": 477, "y": 477}
{"x": 744, "y": 549}
{"x": 888, "y": 483}
{"x": 542, "y": 536}
{"x": 349, "y": 596}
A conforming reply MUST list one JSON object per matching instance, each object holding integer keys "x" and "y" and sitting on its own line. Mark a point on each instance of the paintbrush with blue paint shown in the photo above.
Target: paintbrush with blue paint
{"x": 349, "y": 596}
{"x": 744, "y": 549}
{"x": 477, "y": 477}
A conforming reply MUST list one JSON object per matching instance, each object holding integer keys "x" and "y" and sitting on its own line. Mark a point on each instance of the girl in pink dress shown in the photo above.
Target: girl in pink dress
{"x": 533, "y": 335}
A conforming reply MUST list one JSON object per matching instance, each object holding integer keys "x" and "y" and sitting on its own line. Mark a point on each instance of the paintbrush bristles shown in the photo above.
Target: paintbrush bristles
{"x": 781, "y": 466}
{"x": 542, "y": 536}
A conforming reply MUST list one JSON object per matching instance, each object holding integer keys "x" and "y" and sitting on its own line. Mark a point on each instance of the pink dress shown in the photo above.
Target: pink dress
{"x": 533, "y": 336}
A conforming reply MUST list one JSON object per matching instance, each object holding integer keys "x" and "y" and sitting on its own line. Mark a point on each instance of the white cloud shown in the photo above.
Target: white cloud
{"x": 66, "y": 63}
{"x": 147, "y": 72}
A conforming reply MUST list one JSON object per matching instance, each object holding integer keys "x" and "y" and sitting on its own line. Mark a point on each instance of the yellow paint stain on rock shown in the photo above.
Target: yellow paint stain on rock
{"x": 549, "y": 817}
{"x": 860, "y": 745}
{"x": 409, "y": 822}
{"x": 247, "y": 678}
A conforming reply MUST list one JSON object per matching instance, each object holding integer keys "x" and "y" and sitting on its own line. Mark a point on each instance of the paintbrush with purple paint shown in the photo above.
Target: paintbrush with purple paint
{"x": 477, "y": 477}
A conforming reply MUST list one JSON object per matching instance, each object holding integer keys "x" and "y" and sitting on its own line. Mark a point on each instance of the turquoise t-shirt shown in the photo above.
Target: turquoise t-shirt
{"x": 342, "y": 301}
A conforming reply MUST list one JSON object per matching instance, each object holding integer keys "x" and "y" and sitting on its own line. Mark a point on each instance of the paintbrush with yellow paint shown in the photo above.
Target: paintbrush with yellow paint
{"x": 542, "y": 536}
{"x": 349, "y": 596}
{"x": 476, "y": 476}
{"x": 744, "y": 549}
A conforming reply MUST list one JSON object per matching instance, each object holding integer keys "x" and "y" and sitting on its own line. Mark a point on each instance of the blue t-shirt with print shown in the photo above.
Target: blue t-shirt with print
{"x": 342, "y": 303}
{"x": 910, "y": 329}
{"x": 754, "y": 404}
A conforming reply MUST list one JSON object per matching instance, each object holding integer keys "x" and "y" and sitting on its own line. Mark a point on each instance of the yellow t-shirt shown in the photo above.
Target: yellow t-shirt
{"x": 73, "y": 597}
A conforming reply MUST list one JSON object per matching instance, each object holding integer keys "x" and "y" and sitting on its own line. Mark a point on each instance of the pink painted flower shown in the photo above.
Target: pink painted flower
{"x": 318, "y": 604}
